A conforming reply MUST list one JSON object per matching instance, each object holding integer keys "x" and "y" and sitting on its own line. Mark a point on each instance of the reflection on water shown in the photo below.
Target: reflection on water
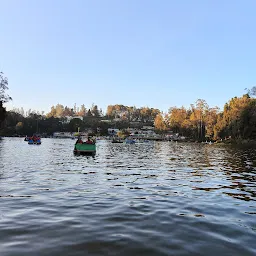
{"x": 156, "y": 198}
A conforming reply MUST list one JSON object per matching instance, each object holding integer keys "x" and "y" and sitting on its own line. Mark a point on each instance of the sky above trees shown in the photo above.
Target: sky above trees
{"x": 138, "y": 52}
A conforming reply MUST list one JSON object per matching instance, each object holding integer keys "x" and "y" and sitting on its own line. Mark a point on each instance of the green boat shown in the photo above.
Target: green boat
{"x": 85, "y": 148}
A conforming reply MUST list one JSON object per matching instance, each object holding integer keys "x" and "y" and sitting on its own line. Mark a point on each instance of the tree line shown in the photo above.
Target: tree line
{"x": 199, "y": 121}
{"x": 60, "y": 111}
{"x": 4, "y": 97}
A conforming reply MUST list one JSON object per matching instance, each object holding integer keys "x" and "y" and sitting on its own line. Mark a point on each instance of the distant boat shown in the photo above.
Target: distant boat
{"x": 64, "y": 135}
{"x": 117, "y": 140}
{"x": 130, "y": 141}
{"x": 85, "y": 148}
{"x": 34, "y": 140}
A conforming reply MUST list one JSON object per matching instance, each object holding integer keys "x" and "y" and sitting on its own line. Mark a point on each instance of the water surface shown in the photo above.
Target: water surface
{"x": 157, "y": 198}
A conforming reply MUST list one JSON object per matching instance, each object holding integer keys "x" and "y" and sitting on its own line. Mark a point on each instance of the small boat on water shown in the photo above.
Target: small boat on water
{"x": 85, "y": 148}
{"x": 130, "y": 141}
{"x": 117, "y": 140}
{"x": 34, "y": 140}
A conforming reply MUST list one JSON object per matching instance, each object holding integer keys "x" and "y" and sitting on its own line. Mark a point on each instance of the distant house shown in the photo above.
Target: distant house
{"x": 106, "y": 121}
{"x": 63, "y": 135}
{"x": 173, "y": 136}
{"x": 112, "y": 131}
{"x": 133, "y": 131}
{"x": 148, "y": 128}
{"x": 135, "y": 124}
{"x": 118, "y": 119}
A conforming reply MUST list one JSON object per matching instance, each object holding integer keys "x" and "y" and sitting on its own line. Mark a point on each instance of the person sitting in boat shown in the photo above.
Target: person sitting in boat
{"x": 79, "y": 140}
{"x": 89, "y": 141}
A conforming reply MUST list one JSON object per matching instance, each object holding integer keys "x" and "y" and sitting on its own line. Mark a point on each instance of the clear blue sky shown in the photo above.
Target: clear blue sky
{"x": 156, "y": 53}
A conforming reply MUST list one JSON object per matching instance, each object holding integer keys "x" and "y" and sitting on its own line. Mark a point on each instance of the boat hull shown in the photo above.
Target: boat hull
{"x": 128, "y": 141}
{"x": 117, "y": 141}
{"x": 84, "y": 148}
{"x": 31, "y": 142}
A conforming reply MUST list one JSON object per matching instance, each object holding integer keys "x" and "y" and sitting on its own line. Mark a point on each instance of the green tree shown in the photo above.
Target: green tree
{"x": 19, "y": 127}
{"x": 74, "y": 124}
{"x": 3, "y": 87}
{"x": 252, "y": 91}
{"x": 3, "y": 96}
{"x": 89, "y": 113}
{"x": 2, "y": 113}
{"x": 94, "y": 110}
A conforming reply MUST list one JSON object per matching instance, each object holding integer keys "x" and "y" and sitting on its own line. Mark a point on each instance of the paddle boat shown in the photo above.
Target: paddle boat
{"x": 85, "y": 148}
{"x": 117, "y": 140}
{"x": 34, "y": 140}
{"x": 130, "y": 141}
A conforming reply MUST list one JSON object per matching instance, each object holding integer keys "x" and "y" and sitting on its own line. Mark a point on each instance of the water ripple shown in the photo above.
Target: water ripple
{"x": 157, "y": 198}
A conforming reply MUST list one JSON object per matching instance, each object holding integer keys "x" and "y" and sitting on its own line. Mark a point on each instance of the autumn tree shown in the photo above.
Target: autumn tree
{"x": 82, "y": 111}
{"x": 52, "y": 113}
{"x": 66, "y": 112}
{"x": 159, "y": 123}
{"x": 59, "y": 110}
{"x": 210, "y": 121}
{"x": 110, "y": 111}
{"x": 178, "y": 119}
{"x": 19, "y": 126}
{"x": 248, "y": 120}
{"x": 198, "y": 118}
{"x": 229, "y": 122}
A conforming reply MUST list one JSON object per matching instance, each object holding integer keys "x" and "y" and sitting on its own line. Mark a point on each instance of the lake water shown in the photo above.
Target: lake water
{"x": 157, "y": 198}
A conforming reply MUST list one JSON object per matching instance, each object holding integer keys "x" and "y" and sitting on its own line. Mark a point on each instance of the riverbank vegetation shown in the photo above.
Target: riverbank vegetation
{"x": 200, "y": 122}
{"x": 236, "y": 121}
{"x": 4, "y": 97}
